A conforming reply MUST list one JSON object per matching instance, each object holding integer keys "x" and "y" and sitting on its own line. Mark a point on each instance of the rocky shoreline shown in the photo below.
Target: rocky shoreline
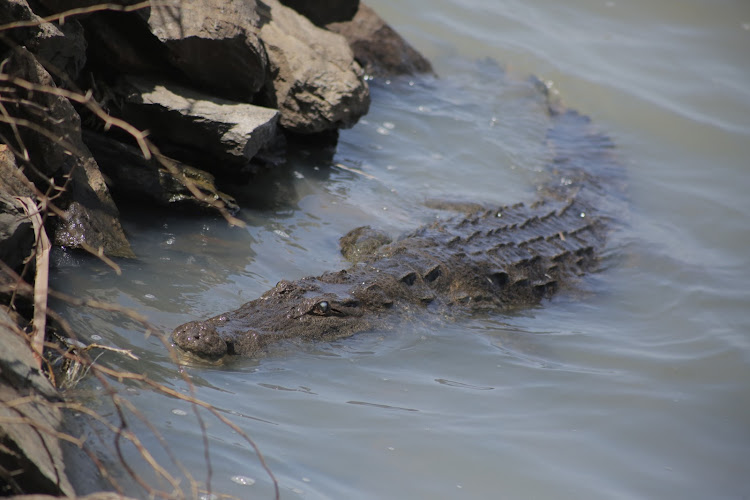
{"x": 159, "y": 103}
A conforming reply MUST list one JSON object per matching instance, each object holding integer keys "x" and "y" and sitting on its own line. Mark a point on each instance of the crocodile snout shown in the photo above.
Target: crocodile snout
{"x": 200, "y": 338}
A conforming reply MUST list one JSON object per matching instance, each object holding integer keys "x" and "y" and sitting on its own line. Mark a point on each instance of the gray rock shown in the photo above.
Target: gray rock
{"x": 315, "y": 82}
{"x": 12, "y": 179}
{"x": 61, "y": 49}
{"x": 27, "y": 430}
{"x": 377, "y": 47}
{"x": 214, "y": 42}
{"x": 56, "y": 151}
{"x": 16, "y": 231}
{"x": 322, "y": 13}
{"x": 211, "y": 44}
{"x": 128, "y": 173}
{"x": 229, "y": 132}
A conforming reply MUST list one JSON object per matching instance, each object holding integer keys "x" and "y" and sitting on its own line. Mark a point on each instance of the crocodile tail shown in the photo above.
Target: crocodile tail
{"x": 584, "y": 164}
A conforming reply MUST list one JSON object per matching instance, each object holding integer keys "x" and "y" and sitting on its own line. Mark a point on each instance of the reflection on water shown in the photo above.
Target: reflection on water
{"x": 636, "y": 386}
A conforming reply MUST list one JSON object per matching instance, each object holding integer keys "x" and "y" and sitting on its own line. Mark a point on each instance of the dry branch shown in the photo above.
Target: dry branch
{"x": 14, "y": 282}
{"x": 41, "y": 280}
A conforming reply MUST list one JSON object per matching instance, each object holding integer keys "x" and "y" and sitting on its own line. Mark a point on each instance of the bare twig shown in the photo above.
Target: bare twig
{"x": 355, "y": 171}
{"x": 15, "y": 283}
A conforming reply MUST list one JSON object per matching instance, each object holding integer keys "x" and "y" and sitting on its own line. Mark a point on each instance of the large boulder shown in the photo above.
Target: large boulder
{"x": 29, "y": 418}
{"x": 214, "y": 42}
{"x": 378, "y": 48}
{"x": 61, "y": 49}
{"x": 211, "y": 44}
{"x": 314, "y": 81}
{"x": 229, "y": 133}
{"x": 56, "y": 153}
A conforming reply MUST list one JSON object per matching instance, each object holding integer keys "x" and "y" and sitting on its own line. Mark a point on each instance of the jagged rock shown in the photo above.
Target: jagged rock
{"x": 211, "y": 44}
{"x": 16, "y": 231}
{"x": 61, "y": 49}
{"x": 214, "y": 42}
{"x": 12, "y": 179}
{"x": 129, "y": 174}
{"x": 230, "y": 133}
{"x": 27, "y": 426}
{"x": 57, "y": 152}
{"x": 315, "y": 82}
{"x": 322, "y": 13}
{"x": 233, "y": 49}
{"x": 377, "y": 47}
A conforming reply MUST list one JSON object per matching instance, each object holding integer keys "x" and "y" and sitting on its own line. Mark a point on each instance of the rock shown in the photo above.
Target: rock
{"x": 211, "y": 44}
{"x": 16, "y": 232}
{"x": 314, "y": 81}
{"x": 27, "y": 426}
{"x": 56, "y": 151}
{"x": 214, "y": 42}
{"x": 29, "y": 420}
{"x": 129, "y": 174}
{"x": 61, "y": 49}
{"x": 377, "y": 47}
{"x": 12, "y": 179}
{"x": 229, "y": 133}
{"x": 322, "y": 13}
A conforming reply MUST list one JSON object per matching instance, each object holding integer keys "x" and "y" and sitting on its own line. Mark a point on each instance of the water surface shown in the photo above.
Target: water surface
{"x": 636, "y": 386}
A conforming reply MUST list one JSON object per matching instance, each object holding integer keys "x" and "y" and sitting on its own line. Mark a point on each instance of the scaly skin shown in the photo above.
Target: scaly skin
{"x": 497, "y": 259}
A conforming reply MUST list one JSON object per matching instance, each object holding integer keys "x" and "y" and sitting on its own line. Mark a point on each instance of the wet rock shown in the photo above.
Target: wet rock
{"x": 377, "y": 47}
{"x": 314, "y": 81}
{"x": 322, "y": 13}
{"x": 230, "y": 133}
{"x": 61, "y": 49}
{"x": 27, "y": 426}
{"x": 57, "y": 154}
{"x": 129, "y": 174}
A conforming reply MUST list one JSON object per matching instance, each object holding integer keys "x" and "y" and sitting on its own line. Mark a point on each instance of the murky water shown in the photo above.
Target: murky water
{"x": 637, "y": 387}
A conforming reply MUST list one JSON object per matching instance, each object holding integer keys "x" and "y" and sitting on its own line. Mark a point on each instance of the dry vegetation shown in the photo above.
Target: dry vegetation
{"x": 114, "y": 434}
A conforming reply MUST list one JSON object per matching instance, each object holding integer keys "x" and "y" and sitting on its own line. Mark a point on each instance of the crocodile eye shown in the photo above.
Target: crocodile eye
{"x": 322, "y": 307}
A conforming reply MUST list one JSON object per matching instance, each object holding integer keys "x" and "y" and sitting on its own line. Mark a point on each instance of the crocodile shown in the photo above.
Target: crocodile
{"x": 489, "y": 259}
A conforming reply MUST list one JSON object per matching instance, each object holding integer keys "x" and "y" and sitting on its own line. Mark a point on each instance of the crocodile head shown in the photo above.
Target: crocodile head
{"x": 322, "y": 308}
